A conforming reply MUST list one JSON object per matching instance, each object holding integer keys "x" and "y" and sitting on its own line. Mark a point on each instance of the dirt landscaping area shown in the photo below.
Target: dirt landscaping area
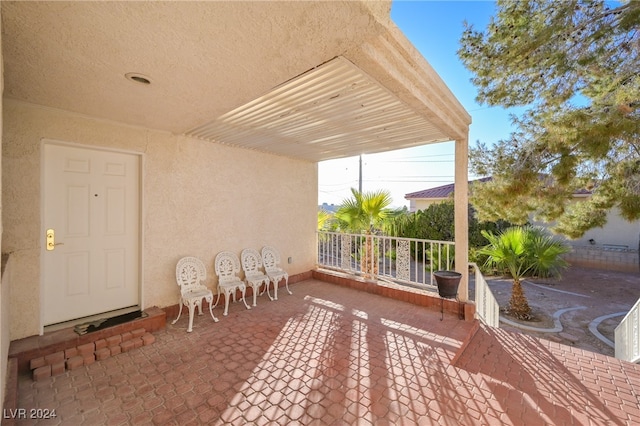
{"x": 580, "y": 299}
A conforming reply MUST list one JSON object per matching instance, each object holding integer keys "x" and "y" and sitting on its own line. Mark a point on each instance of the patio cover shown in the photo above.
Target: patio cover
{"x": 309, "y": 80}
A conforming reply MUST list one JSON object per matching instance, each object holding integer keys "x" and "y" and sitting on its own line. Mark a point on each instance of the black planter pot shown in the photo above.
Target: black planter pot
{"x": 448, "y": 282}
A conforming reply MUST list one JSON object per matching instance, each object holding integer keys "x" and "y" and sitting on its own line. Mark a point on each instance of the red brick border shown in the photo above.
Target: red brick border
{"x": 57, "y": 363}
{"x": 398, "y": 292}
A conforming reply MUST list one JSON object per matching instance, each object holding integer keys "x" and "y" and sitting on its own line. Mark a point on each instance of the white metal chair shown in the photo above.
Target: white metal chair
{"x": 227, "y": 266}
{"x": 253, "y": 275}
{"x": 190, "y": 276}
{"x": 271, "y": 260}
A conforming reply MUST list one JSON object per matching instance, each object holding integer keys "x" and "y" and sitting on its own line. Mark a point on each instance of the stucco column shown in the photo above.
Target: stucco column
{"x": 461, "y": 213}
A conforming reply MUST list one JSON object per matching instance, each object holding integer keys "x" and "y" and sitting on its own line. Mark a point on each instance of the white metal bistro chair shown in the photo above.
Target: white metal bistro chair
{"x": 227, "y": 266}
{"x": 190, "y": 276}
{"x": 253, "y": 274}
{"x": 271, "y": 260}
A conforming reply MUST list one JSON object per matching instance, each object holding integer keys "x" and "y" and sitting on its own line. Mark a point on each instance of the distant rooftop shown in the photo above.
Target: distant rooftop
{"x": 445, "y": 191}
{"x": 328, "y": 207}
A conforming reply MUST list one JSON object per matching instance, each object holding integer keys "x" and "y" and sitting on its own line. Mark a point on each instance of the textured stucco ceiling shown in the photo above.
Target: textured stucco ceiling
{"x": 207, "y": 59}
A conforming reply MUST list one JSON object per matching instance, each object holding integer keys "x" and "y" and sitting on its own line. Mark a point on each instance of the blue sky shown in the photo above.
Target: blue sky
{"x": 434, "y": 28}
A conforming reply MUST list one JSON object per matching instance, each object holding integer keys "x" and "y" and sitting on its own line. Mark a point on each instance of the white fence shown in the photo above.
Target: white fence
{"x": 627, "y": 336}
{"x": 403, "y": 260}
{"x": 487, "y": 308}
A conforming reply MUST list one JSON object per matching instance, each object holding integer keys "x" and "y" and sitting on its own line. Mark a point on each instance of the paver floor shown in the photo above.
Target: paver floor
{"x": 329, "y": 355}
{"x": 598, "y": 293}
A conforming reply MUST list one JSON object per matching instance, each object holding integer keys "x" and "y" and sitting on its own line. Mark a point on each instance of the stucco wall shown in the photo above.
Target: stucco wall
{"x": 199, "y": 198}
{"x": 418, "y": 204}
{"x": 616, "y": 232}
{"x": 4, "y": 282}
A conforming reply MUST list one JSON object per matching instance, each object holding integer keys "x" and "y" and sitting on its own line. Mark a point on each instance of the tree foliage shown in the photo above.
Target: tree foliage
{"x": 575, "y": 66}
{"x": 324, "y": 220}
{"x": 437, "y": 221}
{"x": 364, "y": 211}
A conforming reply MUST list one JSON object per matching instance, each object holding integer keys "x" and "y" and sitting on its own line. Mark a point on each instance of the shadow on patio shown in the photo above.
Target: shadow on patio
{"x": 332, "y": 355}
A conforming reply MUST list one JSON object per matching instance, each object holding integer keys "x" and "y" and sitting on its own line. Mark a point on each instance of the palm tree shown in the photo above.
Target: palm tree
{"x": 324, "y": 219}
{"x": 523, "y": 251}
{"x": 365, "y": 211}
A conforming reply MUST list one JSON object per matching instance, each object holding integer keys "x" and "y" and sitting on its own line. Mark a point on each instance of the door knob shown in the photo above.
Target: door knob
{"x": 51, "y": 240}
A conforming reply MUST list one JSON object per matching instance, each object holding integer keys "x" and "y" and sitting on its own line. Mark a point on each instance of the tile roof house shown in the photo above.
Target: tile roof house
{"x": 420, "y": 200}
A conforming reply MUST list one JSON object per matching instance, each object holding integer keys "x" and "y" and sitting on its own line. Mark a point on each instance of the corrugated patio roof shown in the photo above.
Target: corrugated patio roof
{"x": 331, "y": 111}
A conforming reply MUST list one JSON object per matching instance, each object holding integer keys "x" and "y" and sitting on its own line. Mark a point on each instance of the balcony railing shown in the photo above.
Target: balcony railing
{"x": 403, "y": 260}
{"x": 487, "y": 308}
{"x": 408, "y": 261}
{"x": 627, "y": 336}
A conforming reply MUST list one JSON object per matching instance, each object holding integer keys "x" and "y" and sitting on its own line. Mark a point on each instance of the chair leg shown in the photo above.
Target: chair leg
{"x": 217, "y": 299}
{"x": 275, "y": 289}
{"x": 179, "y": 313}
{"x": 227, "y": 296}
{"x": 286, "y": 283}
{"x": 243, "y": 299}
{"x": 255, "y": 293}
{"x": 192, "y": 308}
{"x": 210, "y": 301}
{"x": 267, "y": 284}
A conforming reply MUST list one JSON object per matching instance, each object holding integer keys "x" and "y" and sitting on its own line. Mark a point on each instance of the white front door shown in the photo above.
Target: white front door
{"x": 92, "y": 207}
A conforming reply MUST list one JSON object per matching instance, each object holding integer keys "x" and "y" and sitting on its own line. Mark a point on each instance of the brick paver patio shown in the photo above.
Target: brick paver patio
{"x": 333, "y": 355}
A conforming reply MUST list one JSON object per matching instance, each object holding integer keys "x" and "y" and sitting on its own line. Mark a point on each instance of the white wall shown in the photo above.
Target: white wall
{"x": 199, "y": 198}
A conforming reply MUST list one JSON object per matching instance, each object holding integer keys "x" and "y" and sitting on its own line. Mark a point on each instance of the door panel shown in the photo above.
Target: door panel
{"x": 92, "y": 202}
{"x": 77, "y": 208}
{"x": 77, "y": 274}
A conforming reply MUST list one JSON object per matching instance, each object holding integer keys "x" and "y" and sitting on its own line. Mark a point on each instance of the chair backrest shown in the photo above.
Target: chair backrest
{"x": 190, "y": 274}
{"x": 270, "y": 258}
{"x": 251, "y": 261}
{"x": 227, "y": 266}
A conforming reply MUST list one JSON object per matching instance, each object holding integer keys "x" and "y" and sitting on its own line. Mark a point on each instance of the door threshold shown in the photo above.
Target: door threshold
{"x": 101, "y": 316}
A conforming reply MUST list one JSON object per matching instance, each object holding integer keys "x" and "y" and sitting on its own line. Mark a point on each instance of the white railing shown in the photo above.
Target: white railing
{"x": 627, "y": 336}
{"x": 404, "y": 260}
{"x": 487, "y": 308}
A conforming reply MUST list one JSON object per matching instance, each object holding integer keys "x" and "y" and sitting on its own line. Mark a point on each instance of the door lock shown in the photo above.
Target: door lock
{"x": 51, "y": 240}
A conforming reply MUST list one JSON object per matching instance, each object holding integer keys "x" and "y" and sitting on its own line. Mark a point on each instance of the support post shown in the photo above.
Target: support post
{"x": 360, "y": 175}
{"x": 461, "y": 215}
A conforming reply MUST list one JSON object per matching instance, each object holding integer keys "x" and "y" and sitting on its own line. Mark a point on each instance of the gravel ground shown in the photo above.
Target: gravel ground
{"x": 598, "y": 293}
